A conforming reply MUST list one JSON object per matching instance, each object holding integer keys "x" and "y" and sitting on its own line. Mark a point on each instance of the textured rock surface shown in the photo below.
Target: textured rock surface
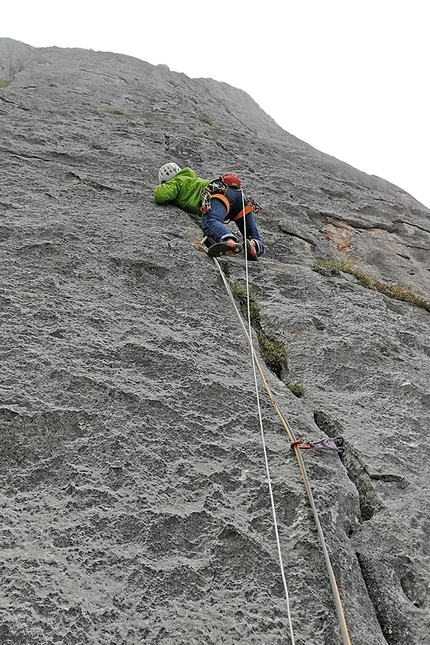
{"x": 133, "y": 496}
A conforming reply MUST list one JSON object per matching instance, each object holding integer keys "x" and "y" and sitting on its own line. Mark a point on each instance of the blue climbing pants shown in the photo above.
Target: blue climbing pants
{"x": 213, "y": 222}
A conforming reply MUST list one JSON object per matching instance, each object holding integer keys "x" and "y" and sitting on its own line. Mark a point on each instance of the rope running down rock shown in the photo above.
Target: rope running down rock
{"x": 257, "y": 366}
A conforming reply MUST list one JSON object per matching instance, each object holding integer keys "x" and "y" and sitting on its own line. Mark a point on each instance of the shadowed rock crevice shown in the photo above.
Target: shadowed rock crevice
{"x": 356, "y": 470}
{"x": 295, "y": 232}
{"x": 369, "y": 502}
{"x": 386, "y": 589}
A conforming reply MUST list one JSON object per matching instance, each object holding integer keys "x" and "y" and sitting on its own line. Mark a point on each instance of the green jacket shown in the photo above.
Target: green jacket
{"x": 183, "y": 190}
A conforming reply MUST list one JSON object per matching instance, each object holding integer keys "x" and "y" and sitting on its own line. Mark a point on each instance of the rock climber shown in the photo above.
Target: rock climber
{"x": 218, "y": 201}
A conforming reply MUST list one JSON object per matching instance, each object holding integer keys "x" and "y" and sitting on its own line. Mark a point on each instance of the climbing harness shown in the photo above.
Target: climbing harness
{"x": 217, "y": 190}
{"x": 248, "y": 208}
{"x": 328, "y": 443}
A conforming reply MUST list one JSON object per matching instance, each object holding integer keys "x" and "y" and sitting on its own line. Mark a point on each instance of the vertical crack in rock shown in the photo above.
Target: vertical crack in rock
{"x": 385, "y": 585}
{"x": 392, "y": 579}
{"x": 369, "y": 503}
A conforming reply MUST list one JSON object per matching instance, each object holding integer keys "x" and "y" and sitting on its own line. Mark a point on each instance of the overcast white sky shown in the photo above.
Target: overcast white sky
{"x": 349, "y": 77}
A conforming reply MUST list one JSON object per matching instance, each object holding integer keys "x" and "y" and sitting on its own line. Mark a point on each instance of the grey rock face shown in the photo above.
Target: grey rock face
{"x": 13, "y": 56}
{"x": 133, "y": 494}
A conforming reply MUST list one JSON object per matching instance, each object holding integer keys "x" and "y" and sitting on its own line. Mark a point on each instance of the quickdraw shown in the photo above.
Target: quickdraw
{"x": 335, "y": 444}
{"x": 256, "y": 208}
{"x": 215, "y": 187}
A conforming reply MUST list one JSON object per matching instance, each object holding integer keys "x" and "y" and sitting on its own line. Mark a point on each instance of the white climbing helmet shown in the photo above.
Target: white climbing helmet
{"x": 167, "y": 171}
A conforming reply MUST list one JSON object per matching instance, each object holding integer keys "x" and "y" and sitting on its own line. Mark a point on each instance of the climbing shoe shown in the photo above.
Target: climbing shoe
{"x": 228, "y": 247}
{"x": 251, "y": 250}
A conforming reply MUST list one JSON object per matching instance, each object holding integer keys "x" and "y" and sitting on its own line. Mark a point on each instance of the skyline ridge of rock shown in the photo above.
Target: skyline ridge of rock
{"x": 16, "y": 54}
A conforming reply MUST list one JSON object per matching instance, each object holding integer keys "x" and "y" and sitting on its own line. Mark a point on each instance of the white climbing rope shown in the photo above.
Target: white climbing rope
{"x": 263, "y": 439}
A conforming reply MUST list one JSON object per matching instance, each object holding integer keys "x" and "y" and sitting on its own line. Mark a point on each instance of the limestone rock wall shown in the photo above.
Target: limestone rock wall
{"x": 133, "y": 496}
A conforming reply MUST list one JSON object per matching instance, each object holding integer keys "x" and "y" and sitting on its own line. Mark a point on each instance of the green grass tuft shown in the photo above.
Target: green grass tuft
{"x": 118, "y": 112}
{"x": 296, "y": 389}
{"x": 273, "y": 351}
{"x": 329, "y": 267}
{"x": 239, "y": 291}
{"x": 4, "y": 84}
{"x": 206, "y": 119}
